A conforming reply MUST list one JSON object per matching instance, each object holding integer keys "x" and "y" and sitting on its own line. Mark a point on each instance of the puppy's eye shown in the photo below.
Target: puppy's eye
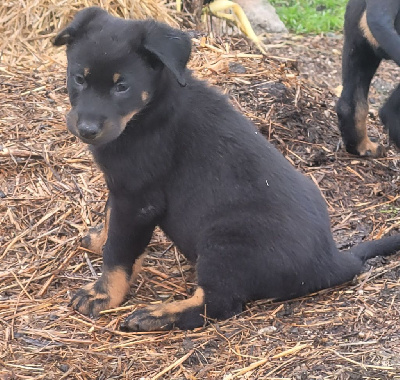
{"x": 79, "y": 79}
{"x": 121, "y": 87}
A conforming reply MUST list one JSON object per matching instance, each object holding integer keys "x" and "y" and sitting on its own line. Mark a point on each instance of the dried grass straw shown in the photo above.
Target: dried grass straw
{"x": 27, "y": 26}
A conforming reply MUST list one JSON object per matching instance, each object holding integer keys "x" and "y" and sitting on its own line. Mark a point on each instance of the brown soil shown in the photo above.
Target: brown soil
{"x": 51, "y": 192}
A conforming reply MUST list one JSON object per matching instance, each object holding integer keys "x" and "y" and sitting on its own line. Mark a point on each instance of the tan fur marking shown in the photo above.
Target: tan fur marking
{"x": 365, "y": 146}
{"x": 145, "y": 96}
{"x": 113, "y": 287}
{"x": 116, "y": 76}
{"x": 99, "y": 238}
{"x": 72, "y": 119}
{"x": 96, "y": 240}
{"x": 127, "y": 118}
{"x": 89, "y": 288}
{"x": 86, "y": 71}
{"x": 360, "y": 117}
{"x": 117, "y": 286}
{"x": 177, "y": 307}
{"x": 84, "y": 308}
{"x": 367, "y": 31}
{"x": 136, "y": 268}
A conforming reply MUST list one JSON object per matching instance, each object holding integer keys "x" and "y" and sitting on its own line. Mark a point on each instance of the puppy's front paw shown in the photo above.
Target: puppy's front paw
{"x": 146, "y": 320}
{"x": 107, "y": 292}
{"x": 91, "y": 299}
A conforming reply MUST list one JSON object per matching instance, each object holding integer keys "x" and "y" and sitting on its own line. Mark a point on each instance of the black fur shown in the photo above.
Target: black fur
{"x": 362, "y": 53}
{"x": 191, "y": 164}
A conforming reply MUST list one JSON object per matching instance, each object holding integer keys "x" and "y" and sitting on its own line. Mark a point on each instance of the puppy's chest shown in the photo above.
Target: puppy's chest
{"x": 131, "y": 171}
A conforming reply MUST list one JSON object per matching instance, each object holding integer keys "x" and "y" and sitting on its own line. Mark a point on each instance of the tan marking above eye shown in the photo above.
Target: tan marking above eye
{"x": 86, "y": 71}
{"x": 116, "y": 76}
{"x": 145, "y": 96}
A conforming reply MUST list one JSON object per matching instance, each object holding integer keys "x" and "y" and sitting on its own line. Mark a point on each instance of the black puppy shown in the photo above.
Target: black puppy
{"x": 371, "y": 34}
{"x": 176, "y": 154}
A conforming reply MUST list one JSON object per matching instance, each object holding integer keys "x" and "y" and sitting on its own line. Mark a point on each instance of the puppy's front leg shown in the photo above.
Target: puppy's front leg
{"x": 128, "y": 235}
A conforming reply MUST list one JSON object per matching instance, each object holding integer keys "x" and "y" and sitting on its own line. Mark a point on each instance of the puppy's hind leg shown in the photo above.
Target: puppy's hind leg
{"x": 216, "y": 297}
{"x": 390, "y": 116}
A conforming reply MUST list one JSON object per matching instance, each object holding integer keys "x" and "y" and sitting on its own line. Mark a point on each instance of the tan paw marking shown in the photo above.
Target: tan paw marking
{"x": 368, "y": 148}
{"x": 162, "y": 317}
{"x": 97, "y": 236}
{"x": 107, "y": 292}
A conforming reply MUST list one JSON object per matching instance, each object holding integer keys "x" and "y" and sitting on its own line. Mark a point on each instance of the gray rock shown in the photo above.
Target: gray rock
{"x": 262, "y": 16}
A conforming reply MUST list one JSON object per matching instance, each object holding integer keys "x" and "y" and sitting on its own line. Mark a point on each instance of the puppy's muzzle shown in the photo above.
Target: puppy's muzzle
{"x": 88, "y": 130}
{"x": 96, "y": 129}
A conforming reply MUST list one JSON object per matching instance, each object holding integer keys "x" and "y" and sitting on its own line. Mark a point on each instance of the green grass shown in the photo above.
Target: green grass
{"x": 311, "y": 16}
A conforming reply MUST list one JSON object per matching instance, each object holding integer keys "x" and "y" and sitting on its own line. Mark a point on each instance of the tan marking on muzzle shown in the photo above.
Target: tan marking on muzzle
{"x": 366, "y": 31}
{"x": 86, "y": 71}
{"x": 125, "y": 119}
{"x": 116, "y": 76}
{"x": 72, "y": 120}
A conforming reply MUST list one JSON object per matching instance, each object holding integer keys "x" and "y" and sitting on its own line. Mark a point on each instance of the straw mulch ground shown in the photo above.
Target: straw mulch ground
{"x": 26, "y": 27}
{"x": 51, "y": 192}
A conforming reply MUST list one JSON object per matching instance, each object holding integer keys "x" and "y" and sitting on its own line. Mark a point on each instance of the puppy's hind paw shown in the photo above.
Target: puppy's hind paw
{"x": 145, "y": 320}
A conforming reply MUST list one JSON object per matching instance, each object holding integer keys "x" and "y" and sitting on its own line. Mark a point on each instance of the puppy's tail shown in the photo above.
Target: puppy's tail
{"x": 381, "y": 17}
{"x": 383, "y": 247}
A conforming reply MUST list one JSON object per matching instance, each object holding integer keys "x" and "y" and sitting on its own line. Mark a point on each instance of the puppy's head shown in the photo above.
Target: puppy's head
{"x": 114, "y": 67}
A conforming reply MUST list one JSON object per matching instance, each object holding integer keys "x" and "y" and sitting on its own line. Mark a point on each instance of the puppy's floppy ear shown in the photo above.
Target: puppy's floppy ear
{"x": 80, "y": 21}
{"x": 171, "y": 46}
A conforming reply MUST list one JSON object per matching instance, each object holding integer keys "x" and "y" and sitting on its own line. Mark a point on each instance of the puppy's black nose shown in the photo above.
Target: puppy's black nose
{"x": 88, "y": 130}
